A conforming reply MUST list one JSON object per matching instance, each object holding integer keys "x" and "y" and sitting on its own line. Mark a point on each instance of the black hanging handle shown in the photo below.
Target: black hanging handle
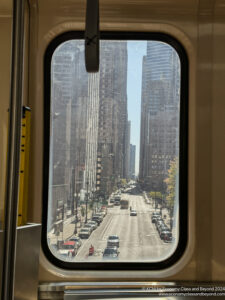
{"x": 92, "y": 36}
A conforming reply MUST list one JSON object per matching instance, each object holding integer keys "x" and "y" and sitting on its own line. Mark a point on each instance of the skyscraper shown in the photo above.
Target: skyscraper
{"x": 62, "y": 72}
{"x": 94, "y": 130}
{"x": 113, "y": 122}
{"x": 159, "y": 114}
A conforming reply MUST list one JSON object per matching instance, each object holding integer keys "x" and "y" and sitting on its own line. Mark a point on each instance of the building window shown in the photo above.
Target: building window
{"x": 112, "y": 179}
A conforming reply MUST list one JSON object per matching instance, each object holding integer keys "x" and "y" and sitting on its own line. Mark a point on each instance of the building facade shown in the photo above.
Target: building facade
{"x": 113, "y": 121}
{"x": 132, "y": 160}
{"x": 90, "y": 129}
{"x": 159, "y": 141}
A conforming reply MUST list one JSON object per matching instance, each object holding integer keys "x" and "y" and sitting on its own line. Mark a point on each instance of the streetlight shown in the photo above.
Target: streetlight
{"x": 76, "y": 195}
{"x": 87, "y": 183}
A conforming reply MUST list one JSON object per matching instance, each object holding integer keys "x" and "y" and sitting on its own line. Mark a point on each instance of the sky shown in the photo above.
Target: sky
{"x": 136, "y": 51}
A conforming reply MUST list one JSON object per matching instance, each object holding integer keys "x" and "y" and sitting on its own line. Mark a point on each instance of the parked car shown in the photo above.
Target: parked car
{"x": 158, "y": 220}
{"x": 90, "y": 226}
{"x": 156, "y": 213}
{"x": 154, "y": 219}
{"x": 162, "y": 227}
{"x": 166, "y": 236}
{"x": 77, "y": 241}
{"x": 155, "y": 216}
{"x": 113, "y": 240}
{"x": 68, "y": 249}
{"x": 100, "y": 215}
{"x": 133, "y": 212}
{"x": 110, "y": 253}
{"x": 97, "y": 219}
{"x": 84, "y": 233}
{"x": 95, "y": 224}
{"x": 159, "y": 223}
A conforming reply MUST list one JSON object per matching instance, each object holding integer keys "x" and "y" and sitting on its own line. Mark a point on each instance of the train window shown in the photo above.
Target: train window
{"x": 115, "y": 153}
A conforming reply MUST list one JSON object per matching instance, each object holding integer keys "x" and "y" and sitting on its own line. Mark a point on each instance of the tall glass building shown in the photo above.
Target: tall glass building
{"x": 159, "y": 114}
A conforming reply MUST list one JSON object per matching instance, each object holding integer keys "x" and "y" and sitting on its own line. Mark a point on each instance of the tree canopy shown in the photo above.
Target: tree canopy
{"x": 156, "y": 195}
{"x": 171, "y": 182}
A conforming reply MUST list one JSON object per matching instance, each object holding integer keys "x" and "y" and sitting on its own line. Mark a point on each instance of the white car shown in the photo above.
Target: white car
{"x": 77, "y": 241}
{"x": 93, "y": 223}
{"x": 68, "y": 249}
{"x": 84, "y": 233}
{"x": 133, "y": 212}
{"x": 90, "y": 226}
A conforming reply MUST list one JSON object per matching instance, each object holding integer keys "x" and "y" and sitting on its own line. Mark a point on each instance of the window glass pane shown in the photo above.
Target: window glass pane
{"x": 114, "y": 153}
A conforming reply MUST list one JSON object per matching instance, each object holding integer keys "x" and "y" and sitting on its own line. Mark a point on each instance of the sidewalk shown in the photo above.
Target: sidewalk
{"x": 68, "y": 229}
{"x": 165, "y": 212}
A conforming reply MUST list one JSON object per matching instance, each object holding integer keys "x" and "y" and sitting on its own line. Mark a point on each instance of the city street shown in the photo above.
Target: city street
{"x": 139, "y": 239}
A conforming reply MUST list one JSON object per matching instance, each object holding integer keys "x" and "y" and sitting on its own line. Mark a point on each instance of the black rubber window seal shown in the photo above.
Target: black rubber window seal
{"x": 183, "y": 153}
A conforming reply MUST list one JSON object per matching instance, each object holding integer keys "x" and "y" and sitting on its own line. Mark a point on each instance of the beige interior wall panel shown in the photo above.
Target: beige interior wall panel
{"x": 191, "y": 22}
{"x": 5, "y": 34}
{"x": 178, "y": 20}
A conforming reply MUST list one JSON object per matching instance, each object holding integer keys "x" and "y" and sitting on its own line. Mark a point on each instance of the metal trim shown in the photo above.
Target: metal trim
{"x": 13, "y": 161}
{"x": 138, "y": 290}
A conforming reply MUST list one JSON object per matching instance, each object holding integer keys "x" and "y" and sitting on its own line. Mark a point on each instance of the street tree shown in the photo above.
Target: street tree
{"x": 157, "y": 195}
{"x": 171, "y": 184}
{"x": 123, "y": 181}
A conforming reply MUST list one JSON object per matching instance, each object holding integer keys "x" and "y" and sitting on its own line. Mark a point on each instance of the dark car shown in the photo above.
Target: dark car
{"x": 166, "y": 236}
{"x": 154, "y": 219}
{"x": 117, "y": 202}
{"x": 162, "y": 227}
{"x": 97, "y": 219}
{"x": 113, "y": 240}
{"x": 110, "y": 253}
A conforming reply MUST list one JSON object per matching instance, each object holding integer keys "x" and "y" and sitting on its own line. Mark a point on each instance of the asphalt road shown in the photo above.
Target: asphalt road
{"x": 139, "y": 239}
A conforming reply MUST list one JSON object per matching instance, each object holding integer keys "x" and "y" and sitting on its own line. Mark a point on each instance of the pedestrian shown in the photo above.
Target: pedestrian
{"x": 91, "y": 250}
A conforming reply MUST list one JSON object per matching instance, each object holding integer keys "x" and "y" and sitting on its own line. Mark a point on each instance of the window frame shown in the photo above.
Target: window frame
{"x": 183, "y": 153}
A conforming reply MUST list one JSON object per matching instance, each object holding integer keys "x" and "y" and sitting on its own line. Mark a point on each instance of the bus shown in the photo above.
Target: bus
{"x": 124, "y": 204}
